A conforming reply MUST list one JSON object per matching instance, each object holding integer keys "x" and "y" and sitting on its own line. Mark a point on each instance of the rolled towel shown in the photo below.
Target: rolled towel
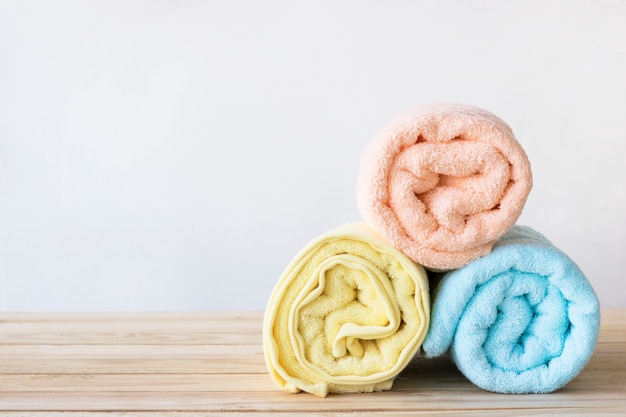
{"x": 442, "y": 183}
{"x": 347, "y": 315}
{"x": 523, "y": 319}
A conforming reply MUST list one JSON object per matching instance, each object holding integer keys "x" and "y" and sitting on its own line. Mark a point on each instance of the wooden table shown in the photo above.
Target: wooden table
{"x": 192, "y": 364}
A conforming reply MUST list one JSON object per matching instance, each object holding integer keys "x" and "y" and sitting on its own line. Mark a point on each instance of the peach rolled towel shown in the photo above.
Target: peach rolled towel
{"x": 443, "y": 182}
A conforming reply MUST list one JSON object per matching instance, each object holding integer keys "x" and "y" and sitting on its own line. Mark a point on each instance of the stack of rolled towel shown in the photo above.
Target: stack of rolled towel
{"x": 438, "y": 267}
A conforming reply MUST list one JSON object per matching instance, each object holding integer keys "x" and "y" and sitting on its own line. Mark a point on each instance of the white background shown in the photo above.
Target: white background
{"x": 175, "y": 155}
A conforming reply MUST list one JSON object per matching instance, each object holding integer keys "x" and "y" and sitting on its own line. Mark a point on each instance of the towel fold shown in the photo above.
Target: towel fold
{"x": 523, "y": 319}
{"x": 442, "y": 183}
{"x": 347, "y": 315}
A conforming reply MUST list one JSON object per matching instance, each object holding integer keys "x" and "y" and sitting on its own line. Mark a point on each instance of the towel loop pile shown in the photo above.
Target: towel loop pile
{"x": 440, "y": 189}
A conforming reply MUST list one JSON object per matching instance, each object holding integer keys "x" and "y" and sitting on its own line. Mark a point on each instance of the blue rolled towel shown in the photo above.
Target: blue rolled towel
{"x": 523, "y": 319}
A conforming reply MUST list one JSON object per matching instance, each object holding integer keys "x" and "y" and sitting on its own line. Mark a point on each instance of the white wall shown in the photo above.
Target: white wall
{"x": 160, "y": 155}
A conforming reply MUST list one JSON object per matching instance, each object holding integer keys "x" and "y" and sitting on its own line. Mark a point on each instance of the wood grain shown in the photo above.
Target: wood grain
{"x": 211, "y": 363}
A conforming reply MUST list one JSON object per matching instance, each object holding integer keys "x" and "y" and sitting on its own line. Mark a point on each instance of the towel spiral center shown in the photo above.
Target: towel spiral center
{"x": 526, "y": 329}
{"x": 356, "y": 300}
{"x": 447, "y": 187}
{"x": 347, "y": 315}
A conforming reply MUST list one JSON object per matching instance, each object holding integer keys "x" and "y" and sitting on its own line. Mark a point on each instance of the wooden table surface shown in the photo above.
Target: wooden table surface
{"x": 211, "y": 363}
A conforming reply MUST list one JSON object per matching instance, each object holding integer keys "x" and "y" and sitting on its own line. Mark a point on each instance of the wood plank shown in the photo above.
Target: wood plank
{"x": 200, "y": 352}
{"x": 138, "y": 328}
{"x": 120, "y": 359}
{"x": 203, "y": 316}
{"x": 136, "y": 382}
{"x": 438, "y": 372}
{"x": 110, "y": 336}
{"x": 238, "y": 359}
{"x": 527, "y": 412}
{"x": 434, "y": 370}
{"x": 241, "y": 366}
{"x": 285, "y": 402}
{"x": 192, "y": 364}
{"x": 175, "y": 326}
{"x": 444, "y": 379}
{"x": 133, "y": 366}
{"x": 616, "y": 316}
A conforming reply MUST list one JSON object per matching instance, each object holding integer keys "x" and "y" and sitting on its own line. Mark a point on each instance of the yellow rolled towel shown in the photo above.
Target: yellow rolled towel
{"x": 346, "y": 316}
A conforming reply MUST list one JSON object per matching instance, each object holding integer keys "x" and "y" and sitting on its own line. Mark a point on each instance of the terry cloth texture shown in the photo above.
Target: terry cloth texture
{"x": 442, "y": 183}
{"x": 523, "y": 319}
{"x": 346, "y": 316}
